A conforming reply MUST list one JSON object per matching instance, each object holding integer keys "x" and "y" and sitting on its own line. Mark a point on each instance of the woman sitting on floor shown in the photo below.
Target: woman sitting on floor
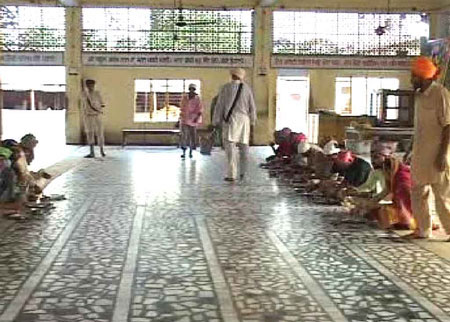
{"x": 398, "y": 179}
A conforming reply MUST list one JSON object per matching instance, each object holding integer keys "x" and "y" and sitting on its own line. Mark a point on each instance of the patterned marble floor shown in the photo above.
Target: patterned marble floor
{"x": 145, "y": 236}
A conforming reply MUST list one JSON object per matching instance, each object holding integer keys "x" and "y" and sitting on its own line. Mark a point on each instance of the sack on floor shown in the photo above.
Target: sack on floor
{"x": 387, "y": 216}
{"x": 207, "y": 143}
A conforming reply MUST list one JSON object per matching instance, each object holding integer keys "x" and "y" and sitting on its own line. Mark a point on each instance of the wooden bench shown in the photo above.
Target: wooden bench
{"x": 127, "y": 132}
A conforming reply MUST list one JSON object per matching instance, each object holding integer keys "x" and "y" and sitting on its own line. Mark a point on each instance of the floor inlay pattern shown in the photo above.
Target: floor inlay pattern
{"x": 172, "y": 279}
{"x": 145, "y": 237}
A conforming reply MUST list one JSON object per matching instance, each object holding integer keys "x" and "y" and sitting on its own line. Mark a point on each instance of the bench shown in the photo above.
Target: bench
{"x": 127, "y": 132}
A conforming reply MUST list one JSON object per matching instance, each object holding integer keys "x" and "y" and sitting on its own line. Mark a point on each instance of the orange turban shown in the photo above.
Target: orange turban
{"x": 424, "y": 68}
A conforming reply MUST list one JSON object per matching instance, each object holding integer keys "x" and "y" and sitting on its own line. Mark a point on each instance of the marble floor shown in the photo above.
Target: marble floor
{"x": 145, "y": 236}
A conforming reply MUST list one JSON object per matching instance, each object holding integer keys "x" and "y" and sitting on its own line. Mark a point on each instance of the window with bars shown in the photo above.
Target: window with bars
{"x": 361, "y": 95}
{"x": 167, "y": 30}
{"x": 28, "y": 28}
{"x": 158, "y": 100}
{"x": 339, "y": 33}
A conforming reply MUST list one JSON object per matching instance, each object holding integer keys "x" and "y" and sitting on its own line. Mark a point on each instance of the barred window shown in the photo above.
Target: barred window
{"x": 337, "y": 33}
{"x": 360, "y": 95}
{"x": 27, "y": 28}
{"x": 158, "y": 100}
{"x": 167, "y": 30}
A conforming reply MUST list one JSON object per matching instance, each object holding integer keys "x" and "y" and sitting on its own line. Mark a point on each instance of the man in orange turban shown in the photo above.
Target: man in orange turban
{"x": 430, "y": 166}
{"x": 424, "y": 68}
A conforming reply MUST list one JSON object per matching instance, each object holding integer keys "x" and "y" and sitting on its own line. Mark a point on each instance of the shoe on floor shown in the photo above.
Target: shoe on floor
{"x": 90, "y": 156}
{"x": 229, "y": 179}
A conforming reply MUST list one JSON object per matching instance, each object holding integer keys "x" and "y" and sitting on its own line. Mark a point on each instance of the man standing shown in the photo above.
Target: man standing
{"x": 190, "y": 117}
{"x": 430, "y": 155}
{"x": 235, "y": 111}
{"x": 92, "y": 109}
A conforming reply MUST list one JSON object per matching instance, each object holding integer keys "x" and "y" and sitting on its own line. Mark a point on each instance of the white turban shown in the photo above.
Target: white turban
{"x": 238, "y": 72}
{"x": 330, "y": 148}
{"x": 303, "y": 147}
{"x": 192, "y": 85}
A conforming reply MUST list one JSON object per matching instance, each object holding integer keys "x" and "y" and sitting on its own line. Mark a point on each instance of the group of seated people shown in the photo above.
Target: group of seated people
{"x": 19, "y": 185}
{"x": 377, "y": 187}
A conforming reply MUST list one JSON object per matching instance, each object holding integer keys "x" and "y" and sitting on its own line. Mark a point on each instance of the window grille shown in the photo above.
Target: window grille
{"x": 156, "y": 30}
{"x": 27, "y": 28}
{"x": 339, "y": 33}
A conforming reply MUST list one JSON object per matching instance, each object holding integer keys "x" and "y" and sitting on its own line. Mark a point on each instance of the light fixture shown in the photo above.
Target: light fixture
{"x": 381, "y": 30}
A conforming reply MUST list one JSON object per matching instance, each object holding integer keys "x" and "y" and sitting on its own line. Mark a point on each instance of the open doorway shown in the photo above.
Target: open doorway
{"x": 34, "y": 101}
{"x": 292, "y": 103}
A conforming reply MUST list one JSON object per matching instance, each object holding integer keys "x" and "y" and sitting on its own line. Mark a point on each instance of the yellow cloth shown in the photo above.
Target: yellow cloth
{"x": 432, "y": 114}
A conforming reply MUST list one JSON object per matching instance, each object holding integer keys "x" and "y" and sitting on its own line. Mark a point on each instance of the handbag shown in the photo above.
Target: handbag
{"x": 238, "y": 93}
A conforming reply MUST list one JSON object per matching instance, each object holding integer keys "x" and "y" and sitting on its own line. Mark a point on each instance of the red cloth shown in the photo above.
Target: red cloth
{"x": 401, "y": 189}
{"x": 286, "y": 149}
{"x": 299, "y": 137}
{"x": 346, "y": 157}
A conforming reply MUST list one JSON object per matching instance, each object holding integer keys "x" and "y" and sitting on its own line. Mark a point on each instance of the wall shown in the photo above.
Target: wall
{"x": 117, "y": 87}
{"x": 323, "y": 84}
{"x": 117, "y": 83}
{"x": 408, "y": 5}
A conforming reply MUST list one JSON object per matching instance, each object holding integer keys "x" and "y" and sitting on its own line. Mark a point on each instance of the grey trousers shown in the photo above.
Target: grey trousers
{"x": 188, "y": 137}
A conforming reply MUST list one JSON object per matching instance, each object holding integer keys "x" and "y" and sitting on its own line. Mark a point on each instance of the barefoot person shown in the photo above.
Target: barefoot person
{"x": 190, "y": 118}
{"x": 235, "y": 112}
{"x": 92, "y": 109}
{"x": 430, "y": 155}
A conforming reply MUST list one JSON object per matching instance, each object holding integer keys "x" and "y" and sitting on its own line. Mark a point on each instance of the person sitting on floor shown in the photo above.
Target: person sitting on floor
{"x": 353, "y": 172}
{"x": 282, "y": 138}
{"x": 366, "y": 198}
{"x": 398, "y": 179}
{"x": 8, "y": 183}
{"x": 318, "y": 165}
{"x": 28, "y": 142}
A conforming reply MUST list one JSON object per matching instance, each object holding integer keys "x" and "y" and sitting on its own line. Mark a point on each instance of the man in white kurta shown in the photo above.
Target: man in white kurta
{"x": 430, "y": 156}
{"x": 235, "y": 131}
{"x": 92, "y": 110}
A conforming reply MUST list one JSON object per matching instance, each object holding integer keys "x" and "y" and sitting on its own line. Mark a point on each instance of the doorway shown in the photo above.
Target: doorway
{"x": 292, "y": 103}
{"x": 34, "y": 101}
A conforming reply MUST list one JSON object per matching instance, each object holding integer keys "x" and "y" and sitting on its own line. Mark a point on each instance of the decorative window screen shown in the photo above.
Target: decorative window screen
{"x": 158, "y": 100}
{"x": 156, "y": 30}
{"x": 27, "y": 28}
{"x": 338, "y": 33}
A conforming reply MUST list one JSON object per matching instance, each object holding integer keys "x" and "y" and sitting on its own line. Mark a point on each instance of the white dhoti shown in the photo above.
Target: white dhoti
{"x": 94, "y": 129}
{"x": 236, "y": 134}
